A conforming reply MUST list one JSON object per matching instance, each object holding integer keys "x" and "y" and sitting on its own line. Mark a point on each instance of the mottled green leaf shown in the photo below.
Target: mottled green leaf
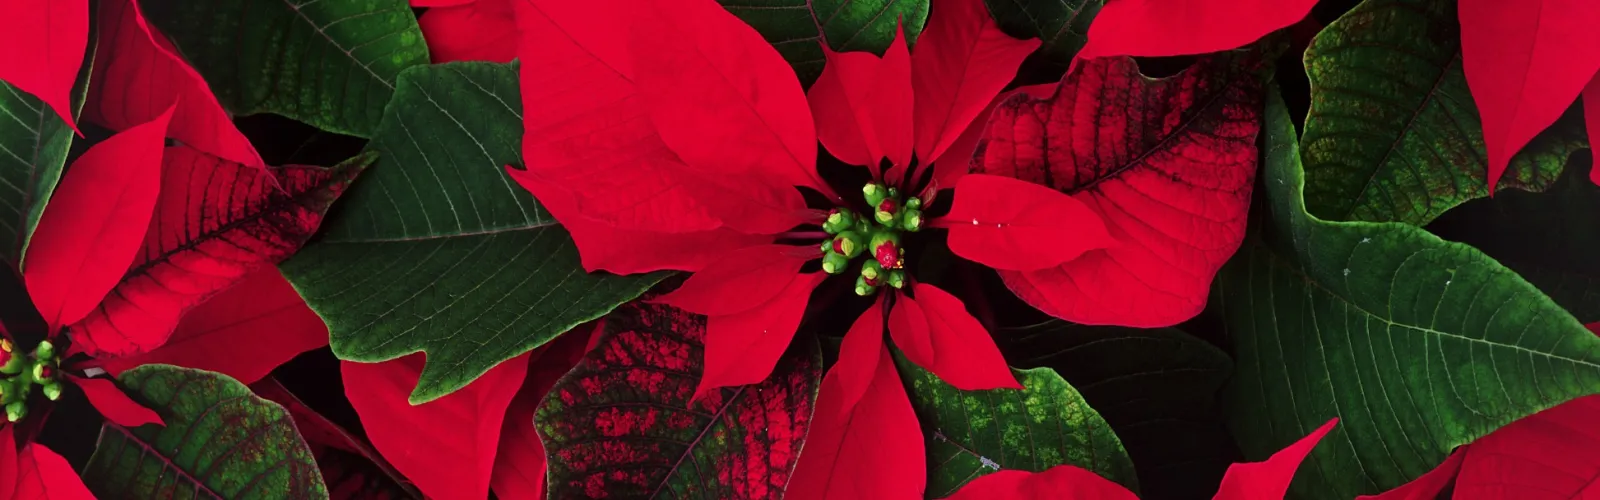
{"x": 437, "y": 250}
{"x": 791, "y": 26}
{"x": 329, "y": 63}
{"x": 974, "y": 433}
{"x": 1062, "y": 25}
{"x": 1157, "y": 388}
{"x": 220, "y": 441}
{"x": 1417, "y": 344}
{"x": 1393, "y": 134}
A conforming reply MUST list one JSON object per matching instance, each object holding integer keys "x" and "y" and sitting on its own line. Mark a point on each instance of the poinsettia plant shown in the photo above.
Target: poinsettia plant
{"x": 463, "y": 249}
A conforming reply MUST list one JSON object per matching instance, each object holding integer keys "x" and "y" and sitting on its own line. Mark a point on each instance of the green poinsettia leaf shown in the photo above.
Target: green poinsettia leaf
{"x": 330, "y": 63}
{"x": 1393, "y": 134}
{"x": 1417, "y": 344}
{"x": 621, "y": 424}
{"x": 1157, "y": 388}
{"x": 974, "y": 433}
{"x": 1549, "y": 238}
{"x": 1062, "y": 25}
{"x": 437, "y": 250}
{"x": 791, "y": 26}
{"x": 219, "y": 441}
{"x": 34, "y": 145}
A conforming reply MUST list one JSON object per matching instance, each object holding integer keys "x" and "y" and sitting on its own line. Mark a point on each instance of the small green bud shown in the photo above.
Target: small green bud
{"x": 875, "y": 193}
{"x": 849, "y": 244}
{"x": 871, "y": 269}
{"x": 16, "y": 411}
{"x": 52, "y": 390}
{"x": 38, "y": 371}
{"x": 897, "y": 278}
{"x": 46, "y": 350}
{"x": 911, "y": 220}
{"x": 914, "y": 203}
{"x": 894, "y": 192}
{"x": 885, "y": 247}
{"x": 885, "y": 212}
{"x": 833, "y": 263}
{"x": 838, "y": 221}
{"x": 863, "y": 288}
{"x": 15, "y": 364}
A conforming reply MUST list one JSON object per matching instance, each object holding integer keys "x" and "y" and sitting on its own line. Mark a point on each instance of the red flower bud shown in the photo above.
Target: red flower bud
{"x": 887, "y": 254}
{"x": 887, "y": 205}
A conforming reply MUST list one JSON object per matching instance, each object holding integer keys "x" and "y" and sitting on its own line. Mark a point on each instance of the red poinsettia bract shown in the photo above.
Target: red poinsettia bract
{"x": 468, "y": 30}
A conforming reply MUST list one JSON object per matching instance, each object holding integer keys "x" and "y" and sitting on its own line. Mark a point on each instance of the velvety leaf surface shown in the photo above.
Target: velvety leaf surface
{"x": 329, "y": 63}
{"x": 439, "y": 251}
{"x": 33, "y": 148}
{"x": 792, "y": 26}
{"x": 1157, "y": 388}
{"x": 1393, "y": 134}
{"x": 1062, "y": 25}
{"x": 215, "y": 222}
{"x": 1418, "y": 345}
{"x": 975, "y": 433}
{"x": 621, "y": 423}
{"x": 1169, "y": 172}
{"x": 220, "y": 441}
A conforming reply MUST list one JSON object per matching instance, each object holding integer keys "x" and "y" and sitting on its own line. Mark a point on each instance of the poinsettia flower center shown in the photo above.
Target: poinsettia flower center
{"x": 878, "y": 236}
{"x": 22, "y": 372}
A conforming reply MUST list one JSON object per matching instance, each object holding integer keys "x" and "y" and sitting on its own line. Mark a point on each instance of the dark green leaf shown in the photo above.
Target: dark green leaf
{"x": 34, "y": 142}
{"x": 1393, "y": 134}
{"x": 791, "y": 26}
{"x": 1157, "y": 388}
{"x": 974, "y": 433}
{"x": 1417, "y": 344}
{"x": 437, "y": 250}
{"x": 220, "y": 441}
{"x": 621, "y": 423}
{"x": 329, "y": 63}
{"x": 1063, "y": 25}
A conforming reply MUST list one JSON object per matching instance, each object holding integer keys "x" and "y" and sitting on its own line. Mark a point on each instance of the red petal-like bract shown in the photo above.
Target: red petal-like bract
{"x": 1269, "y": 480}
{"x": 114, "y": 404}
{"x": 483, "y": 30}
{"x": 621, "y": 423}
{"x": 872, "y": 449}
{"x": 1591, "y": 120}
{"x": 1525, "y": 63}
{"x": 44, "y": 475}
{"x": 92, "y": 228}
{"x": 447, "y": 446}
{"x": 520, "y": 467}
{"x": 137, "y": 74}
{"x": 961, "y": 61}
{"x": 244, "y": 332}
{"x": 908, "y": 326}
{"x": 964, "y": 354}
{"x": 740, "y": 280}
{"x": 1168, "y": 164}
{"x": 862, "y": 105}
{"x": 1059, "y": 482}
{"x": 45, "y": 42}
{"x": 1159, "y": 28}
{"x": 1553, "y": 454}
{"x": 852, "y": 374}
{"x": 8, "y": 459}
{"x": 742, "y": 348}
{"x": 1426, "y": 487}
{"x": 350, "y": 467}
{"x": 1012, "y": 225}
{"x": 216, "y": 221}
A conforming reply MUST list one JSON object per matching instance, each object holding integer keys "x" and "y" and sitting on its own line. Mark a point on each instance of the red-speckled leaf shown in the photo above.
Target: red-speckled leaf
{"x": 44, "y": 475}
{"x": 1426, "y": 487}
{"x": 350, "y": 467}
{"x": 1269, "y": 479}
{"x": 46, "y": 41}
{"x": 1008, "y": 224}
{"x": 872, "y": 449}
{"x": 215, "y": 222}
{"x": 1167, "y": 164}
{"x": 1525, "y": 63}
{"x": 137, "y": 74}
{"x": 244, "y": 332}
{"x": 519, "y": 468}
{"x": 1553, "y": 454}
{"x": 447, "y": 446}
{"x": 1061, "y": 481}
{"x": 621, "y": 424}
{"x": 483, "y": 30}
{"x": 1158, "y": 28}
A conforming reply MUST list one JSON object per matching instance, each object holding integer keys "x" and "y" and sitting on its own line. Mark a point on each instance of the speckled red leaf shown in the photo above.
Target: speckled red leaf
{"x": 1158, "y": 28}
{"x": 46, "y": 41}
{"x": 1269, "y": 479}
{"x": 44, "y": 475}
{"x": 215, "y": 222}
{"x": 448, "y": 445}
{"x": 350, "y": 467}
{"x": 1167, "y": 164}
{"x": 872, "y": 449}
{"x": 476, "y": 31}
{"x": 519, "y": 468}
{"x": 1061, "y": 481}
{"x": 137, "y": 74}
{"x": 243, "y": 332}
{"x": 1428, "y": 486}
{"x": 621, "y": 424}
{"x": 1525, "y": 63}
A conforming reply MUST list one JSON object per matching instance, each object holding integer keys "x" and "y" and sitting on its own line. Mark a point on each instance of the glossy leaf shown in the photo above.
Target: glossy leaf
{"x": 215, "y": 222}
{"x": 1173, "y": 192}
{"x": 621, "y": 423}
{"x": 447, "y": 446}
{"x": 439, "y": 251}
{"x": 332, "y": 64}
{"x": 219, "y": 441}
{"x": 1390, "y": 135}
{"x": 1008, "y": 224}
{"x": 243, "y": 332}
{"x": 1525, "y": 63}
{"x": 1062, "y": 26}
{"x": 1157, "y": 388}
{"x": 971, "y": 434}
{"x": 44, "y": 475}
{"x": 56, "y": 33}
{"x": 101, "y": 213}
{"x": 1160, "y": 28}
{"x": 1421, "y": 345}
{"x": 35, "y": 141}
{"x": 791, "y": 26}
